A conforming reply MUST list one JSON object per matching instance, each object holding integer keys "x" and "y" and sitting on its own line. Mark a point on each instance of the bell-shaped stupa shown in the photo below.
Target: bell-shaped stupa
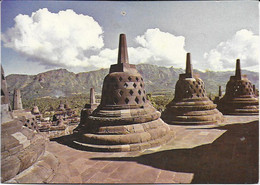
{"x": 240, "y": 98}
{"x": 35, "y": 110}
{"x": 61, "y": 107}
{"x": 89, "y": 107}
{"x": 125, "y": 120}
{"x": 191, "y": 106}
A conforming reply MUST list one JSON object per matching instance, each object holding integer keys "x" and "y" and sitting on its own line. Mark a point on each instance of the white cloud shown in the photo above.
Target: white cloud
{"x": 161, "y": 48}
{"x": 154, "y": 47}
{"x": 104, "y": 59}
{"x": 243, "y": 45}
{"x": 55, "y": 39}
{"x": 67, "y": 39}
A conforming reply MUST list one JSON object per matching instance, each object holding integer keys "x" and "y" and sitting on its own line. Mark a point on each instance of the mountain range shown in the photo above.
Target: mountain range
{"x": 61, "y": 82}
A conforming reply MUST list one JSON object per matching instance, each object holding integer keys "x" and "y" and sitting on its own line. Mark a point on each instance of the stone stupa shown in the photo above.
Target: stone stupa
{"x": 22, "y": 114}
{"x": 35, "y": 110}
{"x": 17, "y": 101}
{"x": 125, "y": 120}
{"x": 240, "y": 97}
{"x": 89, "y": 107}
{"x": 191, "y": 106}
{"x": 61, "y": 107}
{"x": 217, "y": 98}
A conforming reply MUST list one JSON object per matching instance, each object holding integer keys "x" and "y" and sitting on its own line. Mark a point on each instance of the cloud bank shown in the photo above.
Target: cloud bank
{"x": 54, "y": 39}
{"x": 75, "y": 41}
{"x": 243, "y": 45}
{"x": 67, "y": 39}
{"x": 154, "y": 47}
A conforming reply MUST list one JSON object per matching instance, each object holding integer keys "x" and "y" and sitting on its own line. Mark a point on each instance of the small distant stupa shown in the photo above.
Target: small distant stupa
{"x": 61, "y": 107}
{"x": 191, "y": 106}
{"x": 35, "y": 110}
{"x": 240, "y": 97}
{"x": 67, "y": 106}
{"x": 25, "y": 116}
{"x": 217, "y": 98}
{"x": 17, "y": 101}
{"x": 89, "y": 107}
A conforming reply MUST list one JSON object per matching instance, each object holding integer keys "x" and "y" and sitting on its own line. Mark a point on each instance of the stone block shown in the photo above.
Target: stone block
{"x": 9, "y": 167}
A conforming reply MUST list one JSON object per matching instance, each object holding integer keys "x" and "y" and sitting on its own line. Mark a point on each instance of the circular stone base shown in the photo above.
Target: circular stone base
{"x": 125, "y": 138}
{"x": 192, "y": 122}
{"x": 128, "y": 147}
{"x": 239, "y": 106}
{"x": 200, "y": 111}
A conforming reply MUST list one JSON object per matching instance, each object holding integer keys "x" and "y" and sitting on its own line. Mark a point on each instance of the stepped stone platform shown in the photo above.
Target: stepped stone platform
{"x": 223, "y": 153}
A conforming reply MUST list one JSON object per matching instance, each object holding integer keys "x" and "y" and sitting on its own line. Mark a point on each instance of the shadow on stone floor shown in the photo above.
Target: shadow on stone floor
{"x": 68, "y": 141}
{"x": 232, "y": 158}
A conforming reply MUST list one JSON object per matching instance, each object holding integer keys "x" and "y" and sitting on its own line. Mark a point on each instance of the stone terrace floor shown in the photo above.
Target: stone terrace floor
{"x": 226, "y": 153}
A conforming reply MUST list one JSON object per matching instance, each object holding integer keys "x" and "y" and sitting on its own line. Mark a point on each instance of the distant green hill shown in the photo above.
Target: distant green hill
{"x": 157, "y": 79}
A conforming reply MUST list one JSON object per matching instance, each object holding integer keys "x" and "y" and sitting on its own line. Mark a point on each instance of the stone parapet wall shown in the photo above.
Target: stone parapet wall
{"x": 20, "y": 148}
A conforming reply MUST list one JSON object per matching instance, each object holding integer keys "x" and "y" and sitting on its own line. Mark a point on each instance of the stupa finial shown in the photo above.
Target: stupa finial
{"x": 238, "y": 69}
{"x": 219, "y": 91}
{"x": 189, "y": 71}
{"x": 122, "y": 50}
{"x": 92, "y": 96}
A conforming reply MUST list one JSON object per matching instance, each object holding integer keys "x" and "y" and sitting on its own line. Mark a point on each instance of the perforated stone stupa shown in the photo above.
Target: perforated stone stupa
{"x": 125, "y": 120}
{"x": 66, "y": 113}
{"x": 191, "y": 105}
{"x": 240, "y": 98}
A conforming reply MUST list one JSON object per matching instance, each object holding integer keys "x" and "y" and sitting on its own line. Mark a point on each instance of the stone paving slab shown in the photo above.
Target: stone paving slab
{"x": 188, "y": 158}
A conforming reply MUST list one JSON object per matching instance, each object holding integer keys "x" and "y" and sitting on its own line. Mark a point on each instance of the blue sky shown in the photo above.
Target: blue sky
{"x": 216, "y": 33}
